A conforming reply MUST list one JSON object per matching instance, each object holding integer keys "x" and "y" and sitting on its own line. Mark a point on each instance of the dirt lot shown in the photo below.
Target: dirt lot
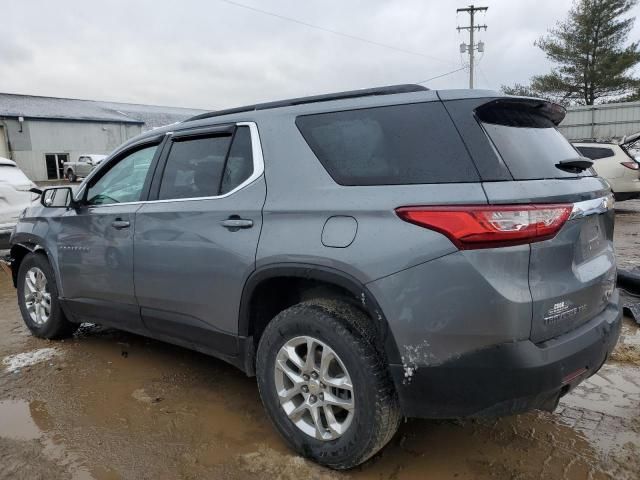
{"x": 110, "y": 405}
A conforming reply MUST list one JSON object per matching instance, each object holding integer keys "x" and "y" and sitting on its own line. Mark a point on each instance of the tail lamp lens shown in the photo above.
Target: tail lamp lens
{"x": 631, "y": 165}
{"x": 490, "y": 226}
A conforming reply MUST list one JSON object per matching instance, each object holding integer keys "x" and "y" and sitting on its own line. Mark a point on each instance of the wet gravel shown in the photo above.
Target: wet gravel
{"x": 109, "y": 405}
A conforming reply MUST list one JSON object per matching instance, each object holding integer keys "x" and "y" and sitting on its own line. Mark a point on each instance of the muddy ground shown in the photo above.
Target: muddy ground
{"x": 109, "y": 405}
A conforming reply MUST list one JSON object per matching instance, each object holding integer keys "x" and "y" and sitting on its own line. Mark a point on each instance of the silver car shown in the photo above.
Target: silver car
{"x": 366, "y": 255}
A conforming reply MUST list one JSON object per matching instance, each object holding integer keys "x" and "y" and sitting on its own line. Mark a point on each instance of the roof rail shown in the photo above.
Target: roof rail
{"x": 366, "y": 92}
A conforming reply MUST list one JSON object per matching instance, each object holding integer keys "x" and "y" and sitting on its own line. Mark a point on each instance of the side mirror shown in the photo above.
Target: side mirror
{"x": 57, "y": 197}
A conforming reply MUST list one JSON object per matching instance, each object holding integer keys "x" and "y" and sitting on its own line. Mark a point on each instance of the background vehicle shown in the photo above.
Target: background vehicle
{"x": 82, "y": 167}
{"x": 14, "y": 197}
{"x": 367, "y": 255}
{"x": 614, "y": 163}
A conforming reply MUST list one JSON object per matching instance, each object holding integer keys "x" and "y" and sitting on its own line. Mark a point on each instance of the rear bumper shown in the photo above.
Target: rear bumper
{"x": 512, "y": 377}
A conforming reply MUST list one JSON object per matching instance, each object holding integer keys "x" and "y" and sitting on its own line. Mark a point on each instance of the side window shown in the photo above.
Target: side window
{"x": 391, "y": 145}
{"x": 239, "y": 165}
{"x": 124, "y": 181}
{"x": 194, "y": 167}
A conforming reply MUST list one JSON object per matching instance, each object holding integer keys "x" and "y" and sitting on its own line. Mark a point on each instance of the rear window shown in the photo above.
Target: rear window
{"x": 596, "y": 153}
{"x": 400, "y": 144}
{"x": 526, "y": 138}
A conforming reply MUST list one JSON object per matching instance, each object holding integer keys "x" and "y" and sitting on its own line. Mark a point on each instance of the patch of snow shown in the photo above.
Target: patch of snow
{"x": 26, "y": 359}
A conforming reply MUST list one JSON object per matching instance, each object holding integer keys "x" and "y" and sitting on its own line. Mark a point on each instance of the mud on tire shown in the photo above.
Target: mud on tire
{"x": 349, "y": 333}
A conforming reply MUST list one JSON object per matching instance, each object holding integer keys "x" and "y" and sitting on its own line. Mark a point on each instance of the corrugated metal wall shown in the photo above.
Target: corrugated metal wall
{"x": 601, "y": 122}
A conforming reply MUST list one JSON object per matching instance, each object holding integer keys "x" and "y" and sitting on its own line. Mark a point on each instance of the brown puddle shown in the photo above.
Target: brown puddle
{"x": 16, "y": 421}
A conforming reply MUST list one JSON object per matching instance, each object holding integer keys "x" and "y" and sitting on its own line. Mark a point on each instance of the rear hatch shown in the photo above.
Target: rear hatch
{"x": 524, "y": 159}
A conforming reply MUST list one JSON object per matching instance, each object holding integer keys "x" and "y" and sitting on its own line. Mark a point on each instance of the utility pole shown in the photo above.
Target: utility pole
{"x": 472, "y": 47}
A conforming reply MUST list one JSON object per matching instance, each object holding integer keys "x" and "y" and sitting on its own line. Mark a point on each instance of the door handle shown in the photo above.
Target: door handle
{"x": 119, "y": 224}
{"x": 234, "y": 223}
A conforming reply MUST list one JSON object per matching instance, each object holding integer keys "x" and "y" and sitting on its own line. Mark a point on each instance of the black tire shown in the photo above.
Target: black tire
{"x": 57, "y": 325}
{"x": 71, "y": 176}
{"x": 348, "y": 331}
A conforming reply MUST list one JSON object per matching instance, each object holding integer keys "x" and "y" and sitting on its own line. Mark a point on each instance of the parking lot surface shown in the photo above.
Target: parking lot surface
{"x": 110, "y": 405}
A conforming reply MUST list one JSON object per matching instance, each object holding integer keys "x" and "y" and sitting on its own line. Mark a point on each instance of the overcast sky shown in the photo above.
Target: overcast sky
{"x": 212, "y": 54}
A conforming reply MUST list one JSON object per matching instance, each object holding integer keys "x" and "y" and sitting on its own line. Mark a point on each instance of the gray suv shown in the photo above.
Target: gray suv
{"x": 366, "y": 255}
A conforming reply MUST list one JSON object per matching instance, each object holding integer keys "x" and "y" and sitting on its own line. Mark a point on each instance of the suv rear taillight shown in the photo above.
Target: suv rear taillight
{"x": 489, "y": 226}
{"x": 631, "y": 165}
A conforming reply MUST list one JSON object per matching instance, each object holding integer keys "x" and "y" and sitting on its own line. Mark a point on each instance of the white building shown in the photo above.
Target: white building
{"x": 40, "y": 133}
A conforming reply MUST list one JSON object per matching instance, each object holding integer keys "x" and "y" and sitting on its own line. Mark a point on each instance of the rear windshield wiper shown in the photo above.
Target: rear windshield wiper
{"x": 575, "y": 165}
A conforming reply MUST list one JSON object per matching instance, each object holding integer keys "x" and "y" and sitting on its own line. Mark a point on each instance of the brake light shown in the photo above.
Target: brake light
{"x": 488, "y": 226}
{"x": 631, "y": 165}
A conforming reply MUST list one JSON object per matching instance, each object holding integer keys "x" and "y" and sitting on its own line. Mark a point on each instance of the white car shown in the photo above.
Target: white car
{"x": 614, "y": 163}
{"x": 14, "y": 197}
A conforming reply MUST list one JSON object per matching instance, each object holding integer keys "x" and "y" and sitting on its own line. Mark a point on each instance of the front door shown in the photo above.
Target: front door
{"x": 62, "y": 157}
{"x": 52, "y": 170}
{"x": 196, "y": 244}
{"x": 95, "y": 244}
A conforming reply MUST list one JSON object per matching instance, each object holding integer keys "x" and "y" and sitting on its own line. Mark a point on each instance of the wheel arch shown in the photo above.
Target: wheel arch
{"x": 322, "y": 276}
{"x": 19, "y": 250}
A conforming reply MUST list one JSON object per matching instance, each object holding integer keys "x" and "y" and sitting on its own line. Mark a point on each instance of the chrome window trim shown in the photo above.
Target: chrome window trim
{"x": 595, "y": 206}
{"x": 258, "y": 170}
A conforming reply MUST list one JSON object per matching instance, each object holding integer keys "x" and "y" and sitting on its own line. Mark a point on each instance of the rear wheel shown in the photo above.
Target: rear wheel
{"x": 71, "y": 176}
{"x": 38, "y": 299}
{"x": 325, "y": 386}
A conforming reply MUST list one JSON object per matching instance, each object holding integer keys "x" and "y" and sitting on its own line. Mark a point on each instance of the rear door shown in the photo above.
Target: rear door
{"x": 196, "y": 240}
{"x": 572, "y": 275}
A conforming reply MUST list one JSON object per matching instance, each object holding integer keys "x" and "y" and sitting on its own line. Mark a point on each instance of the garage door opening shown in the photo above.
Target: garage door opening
{"x": 55, "y": 165}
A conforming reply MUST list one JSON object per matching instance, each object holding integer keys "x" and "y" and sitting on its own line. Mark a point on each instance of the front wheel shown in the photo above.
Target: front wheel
{"x": 324, "y": 385}
{"x": 38, "y": 299}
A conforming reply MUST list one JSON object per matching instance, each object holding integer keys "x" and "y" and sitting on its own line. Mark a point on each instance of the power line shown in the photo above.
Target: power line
{"x": 440, "y": 76}
{"x": 335, "y": 32}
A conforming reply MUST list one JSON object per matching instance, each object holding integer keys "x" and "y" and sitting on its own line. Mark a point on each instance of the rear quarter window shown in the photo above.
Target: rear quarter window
{"x": 391, "y": 145}
{"x": 527, "y": 140}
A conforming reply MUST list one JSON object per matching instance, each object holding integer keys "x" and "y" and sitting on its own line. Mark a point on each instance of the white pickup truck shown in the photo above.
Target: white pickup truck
{"x": 82, "y": 166}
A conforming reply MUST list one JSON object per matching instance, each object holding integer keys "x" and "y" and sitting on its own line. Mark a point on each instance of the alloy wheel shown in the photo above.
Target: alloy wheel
{"x": 314, "y": 388}
{"x": 37, "y": 297}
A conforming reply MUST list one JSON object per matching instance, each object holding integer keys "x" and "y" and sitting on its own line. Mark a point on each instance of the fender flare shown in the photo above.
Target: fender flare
{"x": 324, "y": 274}
{"x": 32, "y": 244}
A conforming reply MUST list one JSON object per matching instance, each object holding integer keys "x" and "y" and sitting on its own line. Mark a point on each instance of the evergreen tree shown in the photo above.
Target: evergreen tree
{"x": 593, "y": 63}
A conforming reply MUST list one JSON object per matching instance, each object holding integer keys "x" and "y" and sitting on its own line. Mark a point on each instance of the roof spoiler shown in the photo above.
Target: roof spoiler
{"x": 506, "y": 110}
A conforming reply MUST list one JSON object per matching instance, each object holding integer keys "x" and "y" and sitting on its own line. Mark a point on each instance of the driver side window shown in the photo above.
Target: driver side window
{"x": 124, "y": 181}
